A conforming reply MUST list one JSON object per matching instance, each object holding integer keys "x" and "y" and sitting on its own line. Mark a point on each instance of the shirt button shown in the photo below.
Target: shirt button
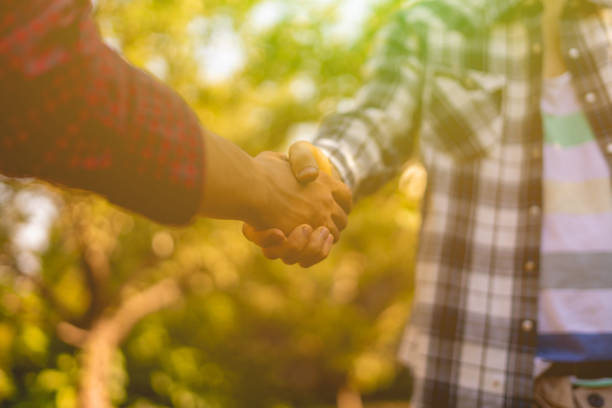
{"x": 536, "y": 48}
{"x": 596, "y": 400}
{"x": 535, "y": 211}
{"x": 530, "y": 266}
{"x": 573, "y": 53}
{"x": 527, "y": 326}
{"x": 590, "y": 97}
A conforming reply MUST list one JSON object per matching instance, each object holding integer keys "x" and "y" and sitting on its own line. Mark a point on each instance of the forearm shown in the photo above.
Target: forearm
{"x": 369, "y": 144}
{"x": 234, "y": 187}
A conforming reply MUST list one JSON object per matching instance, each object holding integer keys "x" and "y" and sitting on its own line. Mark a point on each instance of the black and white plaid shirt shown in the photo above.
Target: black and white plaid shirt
{"x": 465, "y": 76}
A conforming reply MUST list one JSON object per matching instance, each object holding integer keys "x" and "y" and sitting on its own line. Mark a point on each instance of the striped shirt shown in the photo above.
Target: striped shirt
{"x": 576, "y": 279}
{"x": 466, "y": 76}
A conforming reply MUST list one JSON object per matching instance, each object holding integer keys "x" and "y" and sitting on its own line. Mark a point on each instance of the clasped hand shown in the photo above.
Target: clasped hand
{"x": 305, "y": 208}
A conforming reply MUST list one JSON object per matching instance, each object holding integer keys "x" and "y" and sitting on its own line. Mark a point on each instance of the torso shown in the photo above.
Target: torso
{"x": 479, "y": 256}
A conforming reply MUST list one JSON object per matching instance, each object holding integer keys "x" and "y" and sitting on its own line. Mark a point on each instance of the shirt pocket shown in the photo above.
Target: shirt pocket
{"x": 462, "y": 114}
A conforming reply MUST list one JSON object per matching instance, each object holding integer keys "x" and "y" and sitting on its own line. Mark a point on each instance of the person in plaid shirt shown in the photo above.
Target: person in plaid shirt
{"x": 467, "y": 77}
{"x": 73, "y": 112}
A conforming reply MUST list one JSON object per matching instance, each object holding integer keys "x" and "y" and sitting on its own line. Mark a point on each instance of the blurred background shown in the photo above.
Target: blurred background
{"x": 196, "y": 317}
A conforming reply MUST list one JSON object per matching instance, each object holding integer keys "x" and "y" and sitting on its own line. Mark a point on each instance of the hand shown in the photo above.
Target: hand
{"x": 306, "y": 162}
{"x": 302, "y": 246}
{"x": 286, "y": 203}
{"x": 264, "y": 193}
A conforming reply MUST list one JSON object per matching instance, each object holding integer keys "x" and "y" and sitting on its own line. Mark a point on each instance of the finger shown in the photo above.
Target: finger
{"x": 291, "y": 246}
{"x": 344, "y": 197}
{"x": 313, "y": 251}
{"x": 340, "y": 192}
{"x": 265, "y": 238}
{"x": 325, "y": 250}
{"x": 328, "y": 245}
{"x": 296, "y": 241}
{"x": 274, "y": 252}
{"x": 322, "y": 161}
{"x": 331, "y": 226}
{"x": 303, "y": 162}
{"x": 340, "y": 218}
{"x": 249, "y": 232}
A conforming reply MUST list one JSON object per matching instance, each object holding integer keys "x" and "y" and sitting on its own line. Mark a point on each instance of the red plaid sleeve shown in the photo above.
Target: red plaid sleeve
{"x": 74, "y": 112}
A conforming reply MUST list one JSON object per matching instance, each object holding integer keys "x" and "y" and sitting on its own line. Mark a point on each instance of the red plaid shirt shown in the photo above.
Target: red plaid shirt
{"x": 74, "y": 112}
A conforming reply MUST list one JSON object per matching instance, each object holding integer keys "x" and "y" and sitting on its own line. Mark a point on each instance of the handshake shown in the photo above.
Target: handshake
{"x": 294, "y": 207}
{"x": 305, "y": 208}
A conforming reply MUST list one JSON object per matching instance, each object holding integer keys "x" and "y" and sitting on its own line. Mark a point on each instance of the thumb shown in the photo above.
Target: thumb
{"x": 304, "y": 162}
{"x": 266, "y": 238}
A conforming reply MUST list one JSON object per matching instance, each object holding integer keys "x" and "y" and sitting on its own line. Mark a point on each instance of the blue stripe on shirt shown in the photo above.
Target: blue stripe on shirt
{"x": 571, "y": 348}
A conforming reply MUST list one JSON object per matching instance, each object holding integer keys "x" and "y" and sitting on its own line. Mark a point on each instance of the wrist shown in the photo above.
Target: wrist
{"x": 234, "y": 185}
{"x": 256, "y": 195}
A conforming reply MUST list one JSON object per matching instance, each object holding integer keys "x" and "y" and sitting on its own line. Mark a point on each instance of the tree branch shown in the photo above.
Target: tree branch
{"x": 108, "y": 333}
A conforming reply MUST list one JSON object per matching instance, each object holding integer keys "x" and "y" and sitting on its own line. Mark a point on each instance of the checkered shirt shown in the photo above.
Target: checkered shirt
{"x": 73, "y": 112}
{"x": 465, "y": 76}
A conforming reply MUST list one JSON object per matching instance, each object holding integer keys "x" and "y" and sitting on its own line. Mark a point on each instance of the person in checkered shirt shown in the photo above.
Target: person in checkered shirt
{"x": 74, "y": 113}
{"x": 512, "y": 105}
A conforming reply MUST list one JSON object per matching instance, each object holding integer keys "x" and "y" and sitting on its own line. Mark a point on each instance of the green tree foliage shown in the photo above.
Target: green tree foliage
{"x": 195, "y": 316}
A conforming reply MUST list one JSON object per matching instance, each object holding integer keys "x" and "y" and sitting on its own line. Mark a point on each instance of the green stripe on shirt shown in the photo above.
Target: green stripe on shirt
{"x": 567, "y": 130}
